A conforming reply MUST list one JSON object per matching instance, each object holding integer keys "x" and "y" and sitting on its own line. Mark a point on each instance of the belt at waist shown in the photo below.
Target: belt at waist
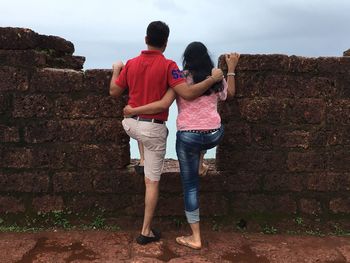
{"x": 148, "y": 120}
{"x": 201, "y": 131}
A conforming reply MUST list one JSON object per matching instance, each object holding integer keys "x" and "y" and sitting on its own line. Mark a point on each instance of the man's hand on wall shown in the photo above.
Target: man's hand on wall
{"x": 117, "y": 67}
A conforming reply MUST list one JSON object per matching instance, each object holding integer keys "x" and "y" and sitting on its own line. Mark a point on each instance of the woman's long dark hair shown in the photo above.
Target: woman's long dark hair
{"x": 199, "y": 64}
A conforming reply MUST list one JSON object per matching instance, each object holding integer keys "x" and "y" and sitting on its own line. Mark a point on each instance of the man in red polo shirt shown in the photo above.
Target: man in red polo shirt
{"x": 148, "y": 76}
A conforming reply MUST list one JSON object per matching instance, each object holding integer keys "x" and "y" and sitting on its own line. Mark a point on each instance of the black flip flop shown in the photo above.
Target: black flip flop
{"x": 143, "y": 240}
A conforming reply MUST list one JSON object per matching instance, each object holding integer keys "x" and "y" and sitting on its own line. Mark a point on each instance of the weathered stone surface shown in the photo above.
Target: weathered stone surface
{"x": 329, "y": 181}
{"x": 48, "y": 203}
{"x": 340, "y": 205}
{"x": 81, "y": 202}
{"x": 306, "y": 161}
{"x": 338, "y": 112}
{"x": 4, "y": 103}
{"x": 339, "y": 135}
{"x": 121, "y": 203}
{"x": 111, "y": 156}
{"x": 24, "y": 182}
{"x": 66, "y": 62}
{"x": 97, "y": 80}
{"x": 97, "y": 181}
{"x": 285, "y": 148}
{"x": 171, "y": 206}
{"x": 262, "y": 110}
{"x": 10, "y": 204}
{"x": 306, "y": 111}
{"x": 285, "y": 182}
{"x": 12, "y": 38}
{"x": 39, "y": 58}
{"x": 31, "y": 106}
{"x": 212, "y": 204}
{"x": 57, "y": 44}
{"x": 291, "y": 86}
{"x": 293, "y": 139}
{"x": 264, "y": 136}
{"x": 229, "y": 111}
{"x": 50, "y": 156}
{"x": 16, "y": 157}
{"x": 91, "y": 106}
{"x": 263, "y": 203}
{"x": 333, "y": 65}
{"x": 250, "y": 160}
{"x": 96, "y": 130}
{"x": 23, "y": 58}
{"x": 249, "y": 84}
{"x": 303, "y": 64}
{"x": 114, "y": 182}
{"x": 239, "y": 134}
{"x": 13, "y": 79}
{"x": 98, "y": 156}
{"x": 339, "y": 159}
{"x": 170, "y": 181}
{"x": 270, "y": 136}
{"x": 9, "y": 134}
{"x": 23, "y": 47}
{"x": 310, "y": 206}
{"x": 231, "y": 181}
{"x": 262, "y": 62}
{"x": 72, "y": 182}
{"x": 33, "y": 157}
{"x": 56, "y": 80}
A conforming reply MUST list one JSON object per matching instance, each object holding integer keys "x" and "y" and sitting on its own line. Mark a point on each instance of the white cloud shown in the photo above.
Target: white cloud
{"x": 313, "y": 27}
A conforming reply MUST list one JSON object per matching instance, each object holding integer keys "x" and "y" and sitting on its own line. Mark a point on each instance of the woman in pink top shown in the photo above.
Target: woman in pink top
{"x": 198, "y": 126}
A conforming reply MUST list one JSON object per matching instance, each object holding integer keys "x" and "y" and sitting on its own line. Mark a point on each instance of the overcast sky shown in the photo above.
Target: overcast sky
{"x": 107, "y": 30}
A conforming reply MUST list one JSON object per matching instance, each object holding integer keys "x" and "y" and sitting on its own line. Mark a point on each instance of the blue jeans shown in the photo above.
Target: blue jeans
{"x": 189, "y": 146}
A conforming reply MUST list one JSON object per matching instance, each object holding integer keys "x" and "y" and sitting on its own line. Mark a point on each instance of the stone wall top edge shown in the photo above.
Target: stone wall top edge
{"x": 256, "y": 55}
{"x": 16, "y": 38}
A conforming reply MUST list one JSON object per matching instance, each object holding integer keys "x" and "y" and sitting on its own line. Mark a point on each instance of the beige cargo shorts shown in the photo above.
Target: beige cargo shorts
{"x": 153, "y": 137}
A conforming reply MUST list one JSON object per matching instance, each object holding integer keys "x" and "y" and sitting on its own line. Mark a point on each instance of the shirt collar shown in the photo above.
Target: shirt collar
{"x": 151, "y": 52}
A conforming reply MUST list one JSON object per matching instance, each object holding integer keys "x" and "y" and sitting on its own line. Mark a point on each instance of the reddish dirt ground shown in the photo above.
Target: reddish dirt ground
{"x": 107, "y": 247}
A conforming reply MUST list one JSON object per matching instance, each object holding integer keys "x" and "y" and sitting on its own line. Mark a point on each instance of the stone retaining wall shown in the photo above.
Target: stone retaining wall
{"x": 287, "y": 141}
{"x": 285, "y": 150}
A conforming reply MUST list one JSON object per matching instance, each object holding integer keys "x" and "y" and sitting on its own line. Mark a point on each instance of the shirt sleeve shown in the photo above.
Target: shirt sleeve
{"x": 175, "y": 75}
{"x": 121, "y": 80}
{"x": 223, "y": 93}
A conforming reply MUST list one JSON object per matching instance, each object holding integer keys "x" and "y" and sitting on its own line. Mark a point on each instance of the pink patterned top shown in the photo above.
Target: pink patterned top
{"x": 201, "y": 113}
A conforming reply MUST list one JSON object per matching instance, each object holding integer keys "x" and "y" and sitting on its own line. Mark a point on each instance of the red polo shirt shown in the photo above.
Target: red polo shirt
{"x": 148, "y": 77}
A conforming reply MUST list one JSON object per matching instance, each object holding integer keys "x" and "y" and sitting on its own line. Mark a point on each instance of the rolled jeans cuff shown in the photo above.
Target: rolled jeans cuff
{"x": 193, "y": 216}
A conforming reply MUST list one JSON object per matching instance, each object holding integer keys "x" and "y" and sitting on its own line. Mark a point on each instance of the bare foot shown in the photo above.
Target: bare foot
{"x": 203, "y": 170}
{"x": 188, "y": 241}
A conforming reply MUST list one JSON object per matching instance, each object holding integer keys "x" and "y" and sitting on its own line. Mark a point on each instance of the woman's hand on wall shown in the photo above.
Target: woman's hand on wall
{"x": 232, "y": 61}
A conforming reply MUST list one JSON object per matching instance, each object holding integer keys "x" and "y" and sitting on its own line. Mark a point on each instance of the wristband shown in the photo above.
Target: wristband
{"x": 231, "y": 74}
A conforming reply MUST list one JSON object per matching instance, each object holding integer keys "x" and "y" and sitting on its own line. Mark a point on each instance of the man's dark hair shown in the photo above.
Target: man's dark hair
{"x": 157, "y": 34}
